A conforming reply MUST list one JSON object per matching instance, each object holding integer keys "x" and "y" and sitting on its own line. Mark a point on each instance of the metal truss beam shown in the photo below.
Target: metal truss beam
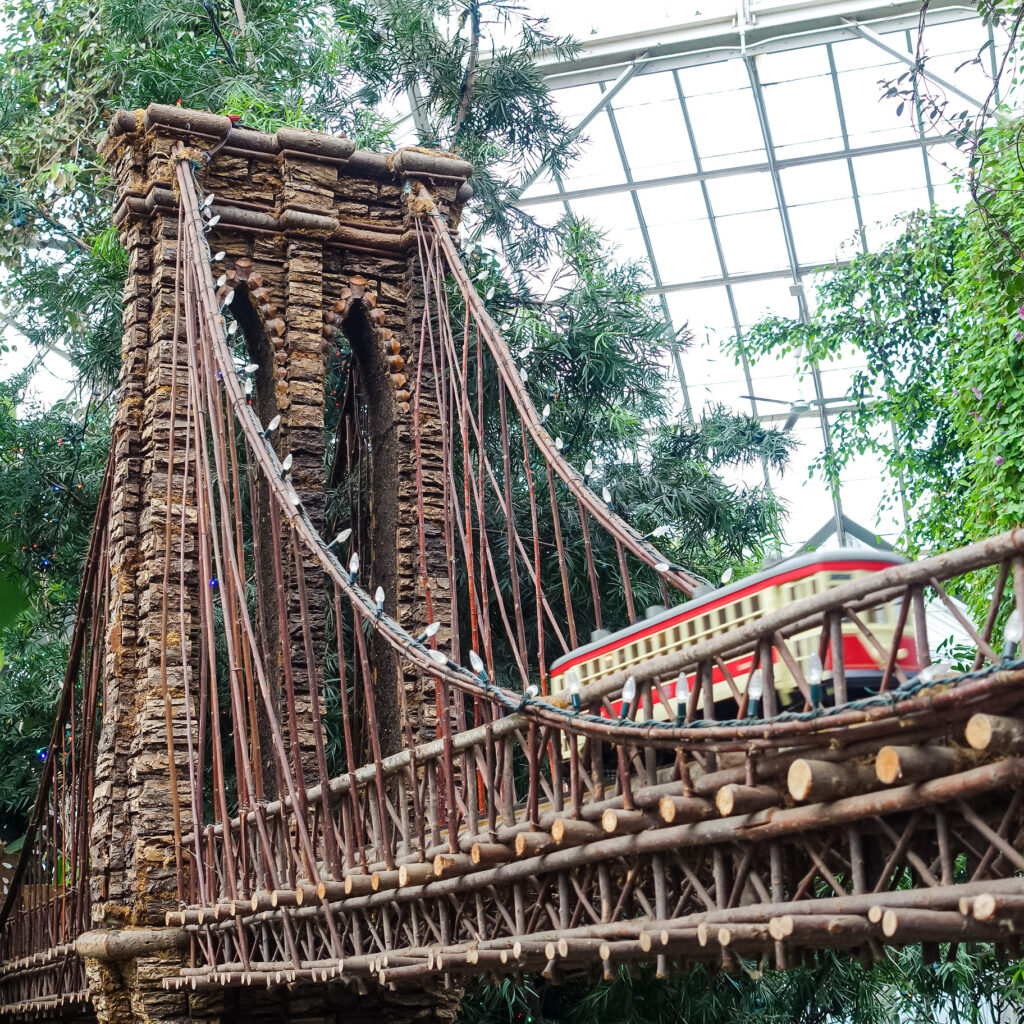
{"x": 580, "y": 126}
{"x": 865, "y": 32}
{"x": 768, "y": 27}
{"x": 734, "y": 279}
{"x": 761, "y": 167}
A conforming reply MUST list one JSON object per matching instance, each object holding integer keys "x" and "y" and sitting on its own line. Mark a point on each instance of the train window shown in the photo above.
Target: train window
{"x": 677, "y": 636}
{"x": 877, "y": 614}
{"x": 691, "y": 627}
{"x": 840, "y": 577}
{"x": 649, "y": 645}
{"x": 755, "y": 603}
{"x": 705, "y": 624}
{"x": 723, "y": 615}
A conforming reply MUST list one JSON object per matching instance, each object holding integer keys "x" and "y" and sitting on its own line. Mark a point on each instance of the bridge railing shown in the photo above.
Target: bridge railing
{"x": 48, "y": 899}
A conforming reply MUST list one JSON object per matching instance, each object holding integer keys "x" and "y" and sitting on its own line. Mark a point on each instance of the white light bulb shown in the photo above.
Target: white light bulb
{"x": 218, "y": 256}
{"x": 727, "y": 575}
{"x": 662, "y": 566}
{"x": 431, "y": 629}
{"x": 248, "y": 387}
{"x": 589, "y": 467}
{"x": 533, "y": 690}
{"x": 1013, "y": 632}
{"x": 755, "y": 688}
{"x": 660, "y": 531}
{"x": 273, "y": 425}
{"x": 629, "y": 690}
{"x": 523, "y": 376}
{"x": 607, "y": 495}
{"x": 574, "y": 680}
{"x": 222, "y": 280}
{"x": 936, "y": 670}
{"x": 353, "y": 563}
{"x": 814, "y": 670}
{"x": 379, "y": 598}
{"x": 476, "y": 662}
{"x": 232, "y": 327}
{"x": 439, "y": 657}
{"x": 228, "y": 296}
{"x": 286, "y": 464}
{"x": 558, "y": 443}
{"x": 545, "y": 413}
{"x": 251, "y": 367}
{"x": 213, "y": 221}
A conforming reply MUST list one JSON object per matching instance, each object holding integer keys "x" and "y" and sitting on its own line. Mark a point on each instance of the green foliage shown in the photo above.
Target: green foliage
{"x": 895, "y": 310}
{"x": 986, "y": 395}
{"x": 967, "y": 985}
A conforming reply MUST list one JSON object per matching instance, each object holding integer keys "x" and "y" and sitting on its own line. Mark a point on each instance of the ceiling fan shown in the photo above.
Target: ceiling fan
{"x": 797, "y": 407}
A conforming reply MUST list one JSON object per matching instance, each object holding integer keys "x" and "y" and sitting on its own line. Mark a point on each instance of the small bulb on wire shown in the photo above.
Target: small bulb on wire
{"x": 226, "y": 301}
{"x": 814, "y": 672}
{"x": 477, "y": 664}
{"x": 628, "y": 695}
{"x": 286, "y": 464}
{"x": 248, "y": 387}
{"x": 213, "y": 222}
{"x": 532, "y": 691}
{"x": 218, "y": 256}
{"x": 271, "y": 426}
{"x": 208, "y": 201}
{"x": 340, "y": 539}
{"x": 250, "y": 367}
{"x": 1013, "y": 633}
{"x": 607, "y": 496}
{"x": 588, "y": 469}
{"x": 523, "y": 375}
{"x": 755, "y": 691}
{"x": 430, "y": 631}
{"x": 353, "y": 567}
{"x": 545, "y": 413}
{"x": 574, "y": 688}
{"x": 438, "y": 656}
{"x": 379, "y": 598}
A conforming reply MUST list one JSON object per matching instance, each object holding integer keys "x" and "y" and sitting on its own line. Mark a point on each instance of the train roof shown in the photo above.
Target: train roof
{"x": 780, "y": 568}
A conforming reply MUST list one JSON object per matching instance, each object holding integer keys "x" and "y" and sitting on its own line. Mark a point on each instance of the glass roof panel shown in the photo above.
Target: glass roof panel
{"x": 732, "y": 192}
{"x": 651, "y": 125}
{"x": 753, "y": 242}
{"x": 822, "y": 231}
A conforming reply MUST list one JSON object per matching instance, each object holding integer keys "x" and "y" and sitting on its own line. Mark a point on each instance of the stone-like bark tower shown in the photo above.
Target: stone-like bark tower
{"x": 319, "y": 238}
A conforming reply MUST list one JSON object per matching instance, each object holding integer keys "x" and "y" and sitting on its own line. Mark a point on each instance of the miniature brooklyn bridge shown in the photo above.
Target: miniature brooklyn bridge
{"x": 203, "y": 845}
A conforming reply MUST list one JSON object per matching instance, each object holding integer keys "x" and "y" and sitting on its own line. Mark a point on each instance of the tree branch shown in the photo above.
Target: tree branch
{"x": 469, "y": 78}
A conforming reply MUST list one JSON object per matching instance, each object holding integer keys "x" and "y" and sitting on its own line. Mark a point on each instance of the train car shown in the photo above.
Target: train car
{"x": 728, "y": 607}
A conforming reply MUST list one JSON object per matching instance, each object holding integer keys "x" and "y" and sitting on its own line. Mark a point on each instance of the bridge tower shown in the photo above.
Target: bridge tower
{"x": 318, "y": 250}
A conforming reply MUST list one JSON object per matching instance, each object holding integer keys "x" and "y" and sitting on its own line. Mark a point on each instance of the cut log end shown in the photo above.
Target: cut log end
{"x": 985, "y": 907}
{"x": 887, "y": 765}
{"x": 800, "y": 779}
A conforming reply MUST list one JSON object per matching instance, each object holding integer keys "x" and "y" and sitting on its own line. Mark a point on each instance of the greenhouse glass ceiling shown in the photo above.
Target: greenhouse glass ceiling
{"x": 737, "y": 153}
